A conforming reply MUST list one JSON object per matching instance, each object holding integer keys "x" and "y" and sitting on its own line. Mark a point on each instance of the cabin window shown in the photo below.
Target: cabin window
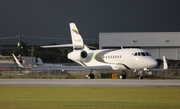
{"x": 113, "y": 56}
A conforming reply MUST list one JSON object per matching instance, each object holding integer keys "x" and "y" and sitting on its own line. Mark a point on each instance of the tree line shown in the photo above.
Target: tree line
{"x": 48, "y": 55}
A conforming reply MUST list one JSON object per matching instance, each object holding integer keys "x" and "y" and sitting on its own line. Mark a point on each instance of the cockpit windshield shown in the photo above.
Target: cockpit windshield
{"x": 142, "y": 54}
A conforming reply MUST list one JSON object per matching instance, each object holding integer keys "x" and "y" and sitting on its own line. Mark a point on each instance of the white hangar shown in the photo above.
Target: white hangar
{"x": 157, "y": 43}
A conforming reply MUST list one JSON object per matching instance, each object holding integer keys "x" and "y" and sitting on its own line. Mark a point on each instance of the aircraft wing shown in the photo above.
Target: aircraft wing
{"x": 158, "y": 69}
{"x": 72, "y": 68}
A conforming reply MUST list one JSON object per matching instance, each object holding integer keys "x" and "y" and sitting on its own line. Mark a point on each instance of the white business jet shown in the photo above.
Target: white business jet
{"x": 113, "y": 59}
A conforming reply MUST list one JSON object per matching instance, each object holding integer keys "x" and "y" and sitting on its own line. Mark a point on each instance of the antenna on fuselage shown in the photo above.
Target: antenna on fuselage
{"x": 121, "y": 47}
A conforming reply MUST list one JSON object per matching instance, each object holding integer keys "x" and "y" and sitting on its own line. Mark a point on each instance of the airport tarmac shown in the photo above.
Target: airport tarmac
{"x": 90, "y": 82}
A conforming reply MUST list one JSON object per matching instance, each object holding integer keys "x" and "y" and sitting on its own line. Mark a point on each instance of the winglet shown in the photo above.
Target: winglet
{"x": 18, "y": 63}
{"x": 165, "y": 63}
{"x": 165, "y": 66}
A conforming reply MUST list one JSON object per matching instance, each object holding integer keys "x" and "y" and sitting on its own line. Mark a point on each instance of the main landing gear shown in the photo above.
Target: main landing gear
{"x": 123, "y": 75}
{"x": 90, "y": 75}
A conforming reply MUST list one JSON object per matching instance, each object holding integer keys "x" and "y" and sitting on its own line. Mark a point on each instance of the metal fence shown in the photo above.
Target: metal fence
{"x": 12, "y": 71}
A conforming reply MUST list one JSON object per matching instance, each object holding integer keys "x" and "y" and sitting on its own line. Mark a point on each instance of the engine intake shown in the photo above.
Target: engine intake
{"x": 79, "y": 55}
{"x": 83, "y": 54}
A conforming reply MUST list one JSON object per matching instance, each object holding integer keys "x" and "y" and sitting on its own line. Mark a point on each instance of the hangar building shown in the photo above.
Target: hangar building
{"x": 157, "y": 43}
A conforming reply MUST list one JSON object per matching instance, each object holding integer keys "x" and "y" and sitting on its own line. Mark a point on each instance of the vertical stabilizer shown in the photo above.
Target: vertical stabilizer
{"x": 39, "y": 61}
{"x": 77, "y": 40}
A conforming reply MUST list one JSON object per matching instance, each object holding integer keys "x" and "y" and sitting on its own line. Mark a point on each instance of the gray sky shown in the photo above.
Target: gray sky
{"x": 51, "y": 18}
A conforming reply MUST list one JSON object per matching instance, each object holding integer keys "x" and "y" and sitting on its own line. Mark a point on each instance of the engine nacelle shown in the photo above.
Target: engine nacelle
{"x": 79, "y": 55}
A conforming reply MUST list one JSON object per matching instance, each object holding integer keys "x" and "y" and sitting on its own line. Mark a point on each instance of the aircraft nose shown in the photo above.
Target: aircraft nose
{"x": 152, "y": 63}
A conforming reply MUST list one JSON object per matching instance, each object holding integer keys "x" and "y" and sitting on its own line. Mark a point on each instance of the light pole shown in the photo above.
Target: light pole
{"x": 32, "y": 50}
{"x": 20, "y": 46}
{"x": 1, "y": 47}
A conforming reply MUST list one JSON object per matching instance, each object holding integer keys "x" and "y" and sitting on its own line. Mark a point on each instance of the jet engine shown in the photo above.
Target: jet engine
{"x": 79, "y": 55}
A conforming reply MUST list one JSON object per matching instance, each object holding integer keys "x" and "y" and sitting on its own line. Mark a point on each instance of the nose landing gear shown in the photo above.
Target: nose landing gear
{"x": 140, "y": 74}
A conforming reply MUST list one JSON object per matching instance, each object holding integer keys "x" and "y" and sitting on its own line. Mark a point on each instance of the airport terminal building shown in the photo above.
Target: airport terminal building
{"x": 157, "y": 43}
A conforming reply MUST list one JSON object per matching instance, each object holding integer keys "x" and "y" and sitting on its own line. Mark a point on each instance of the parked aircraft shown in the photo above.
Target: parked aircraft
{"x": 39, "y": 63}
{"x": 114, "y": 59}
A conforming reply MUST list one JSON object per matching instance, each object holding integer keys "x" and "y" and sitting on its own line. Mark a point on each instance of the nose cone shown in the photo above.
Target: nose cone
{"x": 152, "y": 63}
{"x": 145, "y": 62}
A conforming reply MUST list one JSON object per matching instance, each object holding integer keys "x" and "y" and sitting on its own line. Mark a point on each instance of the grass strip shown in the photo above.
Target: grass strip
{"x": 12, "y": 97}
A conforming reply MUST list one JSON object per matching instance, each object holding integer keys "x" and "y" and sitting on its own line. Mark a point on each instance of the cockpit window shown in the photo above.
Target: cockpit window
{"x": 147, "y": 53}
{"x": 143, "y": 54}
{"x": 139, "y": 54}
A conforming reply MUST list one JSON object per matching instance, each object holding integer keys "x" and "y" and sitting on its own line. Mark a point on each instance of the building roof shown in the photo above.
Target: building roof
{"x": 146, "y": 39}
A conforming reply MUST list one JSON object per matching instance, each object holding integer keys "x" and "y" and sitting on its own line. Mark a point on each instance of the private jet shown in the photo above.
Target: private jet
{"x": 134, "y": 59}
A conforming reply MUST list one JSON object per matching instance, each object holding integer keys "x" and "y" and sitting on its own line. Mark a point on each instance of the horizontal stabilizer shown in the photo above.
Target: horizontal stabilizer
{"x": 64, "y": 45}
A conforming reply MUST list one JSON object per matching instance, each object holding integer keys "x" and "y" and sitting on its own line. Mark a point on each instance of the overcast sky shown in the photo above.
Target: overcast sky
{"x": 51, "y": 18}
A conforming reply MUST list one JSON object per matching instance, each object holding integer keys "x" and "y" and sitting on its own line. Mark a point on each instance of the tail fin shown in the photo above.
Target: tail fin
{"x": 17, "y": 61}
{"x": 77, "y": 41}
{"x": 76, "y": 37}
{"x": 40, "y": 62}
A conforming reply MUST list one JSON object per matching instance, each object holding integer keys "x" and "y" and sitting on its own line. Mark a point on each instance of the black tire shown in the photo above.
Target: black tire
{"x": 91, "y": 76}
{"x": 123, "y": 76}
{"x": 140, "y": 77}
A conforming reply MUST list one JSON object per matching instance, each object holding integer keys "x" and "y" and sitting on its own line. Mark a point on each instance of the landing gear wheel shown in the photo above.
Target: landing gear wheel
{"x": 140, "y": 77}
{"x": 91, "y": 76}
{"x": 122, "y": 76}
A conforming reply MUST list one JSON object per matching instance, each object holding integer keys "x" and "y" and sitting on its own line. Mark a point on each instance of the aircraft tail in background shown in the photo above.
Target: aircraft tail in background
{"x": 39, "y": 61}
